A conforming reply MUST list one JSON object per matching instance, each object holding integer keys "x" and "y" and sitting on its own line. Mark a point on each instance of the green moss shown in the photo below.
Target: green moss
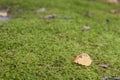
{"x": 36, "y": 49}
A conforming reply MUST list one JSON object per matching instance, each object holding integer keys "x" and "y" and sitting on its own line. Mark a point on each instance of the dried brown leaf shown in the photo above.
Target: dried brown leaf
{"x": 113, "y": 1}
{"x": 83, "y": 59}
{"x": 3, "y": 14}
{"x": 85, "y": 28}
{"x": 114, "y": 11}
{"x": 50, "y": 16}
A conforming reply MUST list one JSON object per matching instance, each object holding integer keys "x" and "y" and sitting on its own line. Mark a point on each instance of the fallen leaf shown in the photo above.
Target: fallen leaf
{"x": 50, "y": 16}
{"x": 83, "y": 59}
{"x": 113, "y": 1}
{"x": 85, "y": 28}
{"x": 104, "y": 65}
{"x": 115, "y": 11}
{"x": 41, "y": 10}
{"x": 3, "y": 13}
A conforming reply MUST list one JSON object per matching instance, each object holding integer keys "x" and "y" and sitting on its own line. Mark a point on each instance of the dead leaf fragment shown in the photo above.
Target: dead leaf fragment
{"x": 83, "y": 59}
{"x": 113, "y": 1}
{"x": 50, "y": 16}
{"x": 41, "y": 10}
{"x": 104, "y": 65}
{"x": 85, "y": 28}
{"x": 115, "y": 11}
{"x": 3, "y": 14}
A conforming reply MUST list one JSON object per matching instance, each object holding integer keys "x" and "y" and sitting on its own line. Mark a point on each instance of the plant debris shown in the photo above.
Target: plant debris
{"x": 3, "y": 14}
{"x": 83, "y": 59}
{"x": 50, "y": 16}
{"x": 41, "y": 10}
{"x": 113, "y": 1}
{"x": 85, "y": 28}
{"x": 104, "y": 66}
{"x": 114, "y": 11}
